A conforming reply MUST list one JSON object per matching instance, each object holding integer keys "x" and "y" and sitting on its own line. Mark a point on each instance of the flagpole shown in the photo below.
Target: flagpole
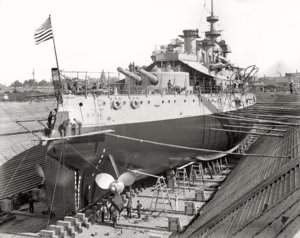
{"x": 59, "y": 97}
{"x": 55, "y": 50}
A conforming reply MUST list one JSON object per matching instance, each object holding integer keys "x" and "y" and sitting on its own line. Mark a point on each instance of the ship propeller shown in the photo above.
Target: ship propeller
{"x": 106, "y": 181}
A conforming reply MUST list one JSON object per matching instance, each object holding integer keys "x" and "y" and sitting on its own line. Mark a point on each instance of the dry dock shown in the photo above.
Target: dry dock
{"x": 236, "y": 196}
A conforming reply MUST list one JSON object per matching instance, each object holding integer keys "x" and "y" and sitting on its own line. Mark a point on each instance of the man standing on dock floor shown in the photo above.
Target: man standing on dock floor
{"x": 30, "y": 202}
{"x": 138, "y": 208}
{"x": 128, "y": 208}
{"x": 114, "y": 217}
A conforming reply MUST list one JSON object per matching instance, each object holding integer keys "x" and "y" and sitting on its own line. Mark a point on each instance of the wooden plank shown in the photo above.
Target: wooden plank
{"x": 77, "y": 136}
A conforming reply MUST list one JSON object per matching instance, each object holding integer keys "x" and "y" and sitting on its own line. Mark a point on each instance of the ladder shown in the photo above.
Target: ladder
{"x": 161, "y": 191}
{"x": 197, "y": 173}
{"x": 182, "y": 179}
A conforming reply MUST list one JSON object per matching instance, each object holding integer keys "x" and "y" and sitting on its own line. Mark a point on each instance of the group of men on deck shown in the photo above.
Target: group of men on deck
{"x": 75, "y": 124}
{"x": 112, "y": 211}
{"x": 62, "y": 128}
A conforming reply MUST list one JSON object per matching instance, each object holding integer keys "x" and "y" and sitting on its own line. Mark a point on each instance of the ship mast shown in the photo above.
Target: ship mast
{"x": 212, "y": 34}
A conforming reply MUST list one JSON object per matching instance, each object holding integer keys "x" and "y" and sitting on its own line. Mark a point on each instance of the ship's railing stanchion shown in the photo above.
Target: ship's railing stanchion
{"x": 129, "y": 87}
{"x": 108, "y": 84}
{"x": 86, "y": 84}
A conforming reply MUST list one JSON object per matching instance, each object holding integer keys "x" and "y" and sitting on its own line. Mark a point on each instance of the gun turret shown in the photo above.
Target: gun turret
{"x": 153, "y": 78}
{"x": 129, "y": 74}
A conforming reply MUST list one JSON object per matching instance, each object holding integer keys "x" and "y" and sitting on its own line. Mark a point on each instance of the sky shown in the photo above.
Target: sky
{"x": 96, "y": 35}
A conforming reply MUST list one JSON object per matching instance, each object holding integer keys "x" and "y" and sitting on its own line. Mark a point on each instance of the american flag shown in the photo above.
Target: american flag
{"x": 44, "y": 32}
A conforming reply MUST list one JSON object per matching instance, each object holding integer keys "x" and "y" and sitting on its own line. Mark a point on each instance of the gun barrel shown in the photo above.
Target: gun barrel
{"x": 129, "y": 74}
{"x": 153, "y": 78}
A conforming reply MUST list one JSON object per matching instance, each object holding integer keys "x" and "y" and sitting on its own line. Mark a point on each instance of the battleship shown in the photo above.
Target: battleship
{"x": 106, "y": 136}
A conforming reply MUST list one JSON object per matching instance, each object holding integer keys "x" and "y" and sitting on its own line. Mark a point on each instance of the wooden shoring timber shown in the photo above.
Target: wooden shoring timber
{"x": 267, "y": 115}
{"x": 186, "y": 165}
{"x": 236, "y": 118}
{"x": 276, "y": 110}
{"x": 271, "y": 108}
{"x": 277, "y": 103}
{"x": 253, "y": 115}
{"x": 247, "y": 132}
{"x": 269, "y": 125}
{"x": 255, "y": 127}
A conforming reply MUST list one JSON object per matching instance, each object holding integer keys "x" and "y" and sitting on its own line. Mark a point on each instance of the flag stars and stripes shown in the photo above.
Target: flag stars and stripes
{"x": 44, "y": 32}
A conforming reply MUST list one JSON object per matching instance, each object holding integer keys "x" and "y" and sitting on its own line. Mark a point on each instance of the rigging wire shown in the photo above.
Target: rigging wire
{"x": 59, "y": 165}
{"x": 202, "y": 13}
{"x": 77, "y": 152}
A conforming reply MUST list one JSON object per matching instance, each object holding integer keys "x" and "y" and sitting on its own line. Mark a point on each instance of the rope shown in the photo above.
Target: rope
{"x": 192, "y": 148}
{"x": 51, "y": 207}
{"x": 77, "y": 152}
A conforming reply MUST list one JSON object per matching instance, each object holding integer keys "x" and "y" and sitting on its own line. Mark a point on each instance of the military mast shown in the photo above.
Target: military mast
{"x": 212, "y": 34}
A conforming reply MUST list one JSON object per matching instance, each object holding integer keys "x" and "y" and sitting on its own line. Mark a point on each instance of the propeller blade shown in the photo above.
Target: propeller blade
{"x": 40, "y": 172}
{"x": 112, "y": 160}
{"x": 104, "y": 180}
{"x": 127, "y": 178}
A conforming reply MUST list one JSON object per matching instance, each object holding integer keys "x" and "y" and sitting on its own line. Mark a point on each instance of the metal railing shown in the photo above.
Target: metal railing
{"x": 84, "y": 83}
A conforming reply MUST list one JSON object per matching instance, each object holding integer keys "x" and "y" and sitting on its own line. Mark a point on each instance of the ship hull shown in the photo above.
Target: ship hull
{"x": 151, "y": 147}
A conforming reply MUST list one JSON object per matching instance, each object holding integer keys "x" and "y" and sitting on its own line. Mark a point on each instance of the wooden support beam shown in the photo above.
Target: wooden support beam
{"x": 255, "y": 127}
{"x": 269, "y": 125}
{"x": 268, "y": 115}
{"x": 236, "y": 118}
{"x": 247, "y": 132}
{"x": 186, "y": 165}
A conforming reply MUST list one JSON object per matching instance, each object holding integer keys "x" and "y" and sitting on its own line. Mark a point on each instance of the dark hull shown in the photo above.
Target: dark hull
{"x": 89, "y": 156}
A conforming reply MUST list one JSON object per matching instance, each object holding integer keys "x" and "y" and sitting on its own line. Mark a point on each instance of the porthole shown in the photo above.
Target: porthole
{"x": 184, "y": 100}
{"x": 80, "y": 104}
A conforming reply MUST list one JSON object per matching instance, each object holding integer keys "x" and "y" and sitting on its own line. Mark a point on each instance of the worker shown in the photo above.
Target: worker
{"x": 94, "y": 86}
{"x": 78, "y": 125}
{"x": 63, "y": 127}
{"x": 138, "y": 208}
{"x": 171, "y": 179}
{"x": 128, "y": 208}
{"x": 73, "y": 127}
{"x": 50, "y": 120}
{"x": 111, "y": 211}
{"x": 291, "y": 87}
{"x": 114, "y": 217}
{"x": 103, "y": 209}
{"x": 169, "y": 85}
{"x": 97, "y": 216}
{"x": 30, "y": 202}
